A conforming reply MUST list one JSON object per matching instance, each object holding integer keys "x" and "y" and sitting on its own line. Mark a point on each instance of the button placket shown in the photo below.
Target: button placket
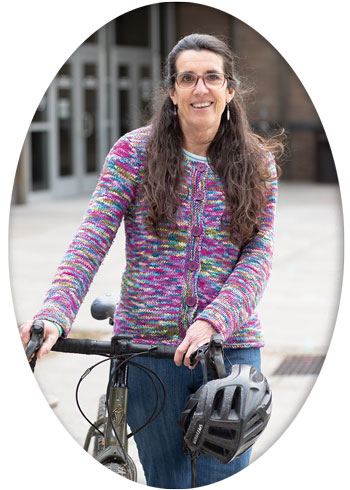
{"x": 193, "y": 264}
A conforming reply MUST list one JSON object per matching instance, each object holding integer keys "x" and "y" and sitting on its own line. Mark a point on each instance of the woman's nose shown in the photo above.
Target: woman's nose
{"x": 200, "y": 87}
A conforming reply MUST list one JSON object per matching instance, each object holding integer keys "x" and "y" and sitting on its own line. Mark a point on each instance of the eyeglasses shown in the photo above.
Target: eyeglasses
{"x": 190, "y": 80}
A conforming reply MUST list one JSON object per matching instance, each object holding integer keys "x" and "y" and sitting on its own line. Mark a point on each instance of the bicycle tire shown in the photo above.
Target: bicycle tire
{"x": 125, "y": 470}
{"x": 117, "y": 468}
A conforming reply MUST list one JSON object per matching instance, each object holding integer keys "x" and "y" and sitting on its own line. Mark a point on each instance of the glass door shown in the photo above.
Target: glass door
{"x": 78, "y": 120}
{"x": 40, "y": 142}
{"x": 131, "y": 88}
{"x": 103, "y": 91}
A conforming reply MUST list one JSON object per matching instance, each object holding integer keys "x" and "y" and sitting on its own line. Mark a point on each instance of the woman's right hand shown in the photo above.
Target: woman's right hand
{"x": 51, "y": 335}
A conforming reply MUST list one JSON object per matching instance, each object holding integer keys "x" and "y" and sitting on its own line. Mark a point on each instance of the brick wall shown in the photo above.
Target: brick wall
{"x": 279, "y": 97}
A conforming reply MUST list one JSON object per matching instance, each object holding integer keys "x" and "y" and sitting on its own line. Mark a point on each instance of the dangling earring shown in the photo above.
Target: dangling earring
{"x": 228, "y": 112}
{"x": 175, "y": 111}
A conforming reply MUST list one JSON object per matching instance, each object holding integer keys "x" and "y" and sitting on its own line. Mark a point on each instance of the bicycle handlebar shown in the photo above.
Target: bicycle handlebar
{"x": 119, "y": 345}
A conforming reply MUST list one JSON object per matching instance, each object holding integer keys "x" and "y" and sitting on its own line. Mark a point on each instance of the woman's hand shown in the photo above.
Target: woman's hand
{"x": 51, "y": 335}
{"x": 198, "y": 334}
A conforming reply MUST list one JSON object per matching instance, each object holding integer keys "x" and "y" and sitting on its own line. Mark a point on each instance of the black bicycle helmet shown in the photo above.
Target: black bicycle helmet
{"x": 225, "y": 417}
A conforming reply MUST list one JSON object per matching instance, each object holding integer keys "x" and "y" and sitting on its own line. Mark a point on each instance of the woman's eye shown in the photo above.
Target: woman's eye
{"x": 187, "y": 78}
{"x": 212, "y": 77}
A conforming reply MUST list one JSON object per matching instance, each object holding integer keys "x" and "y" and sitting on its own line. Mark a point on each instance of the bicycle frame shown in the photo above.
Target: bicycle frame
{"x": 115, "y": 437}
{"x": 111, "y": 443}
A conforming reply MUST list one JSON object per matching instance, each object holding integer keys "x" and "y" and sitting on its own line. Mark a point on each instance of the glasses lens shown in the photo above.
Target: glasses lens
{"x": 214, "y": 79}
{"x": 186, "y": 80}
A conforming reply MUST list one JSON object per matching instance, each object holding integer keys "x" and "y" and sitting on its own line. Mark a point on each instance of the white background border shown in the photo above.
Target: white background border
{"x": 36, "y": 39}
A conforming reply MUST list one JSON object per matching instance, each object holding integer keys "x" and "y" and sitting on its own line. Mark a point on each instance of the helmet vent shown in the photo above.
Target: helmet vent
{"x": 215, "y": 449}
{"x": 253, "y": 436}
{"x": 256, "y": 376}
{"x": 222, "y": 433}
{"x": 236, "y": 400}
{"x": 217, "y": 402}
{"x": 254, "y": 428}
{"x": 254, "y": 420}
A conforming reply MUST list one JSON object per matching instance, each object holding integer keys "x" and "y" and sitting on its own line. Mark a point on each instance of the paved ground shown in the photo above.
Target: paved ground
{"x": 298, "y": 310}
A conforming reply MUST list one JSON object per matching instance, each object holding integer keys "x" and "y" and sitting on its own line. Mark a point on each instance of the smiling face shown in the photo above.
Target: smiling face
{"x": 200, "y": 108}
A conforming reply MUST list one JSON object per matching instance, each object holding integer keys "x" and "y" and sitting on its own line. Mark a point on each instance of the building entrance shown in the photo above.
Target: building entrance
{"x": 101, "y": 92}
{"x": 76, "y": 121}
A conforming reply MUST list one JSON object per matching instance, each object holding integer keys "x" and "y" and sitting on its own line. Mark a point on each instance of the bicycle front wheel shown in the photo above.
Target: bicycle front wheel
{"x": 125, "y": 470}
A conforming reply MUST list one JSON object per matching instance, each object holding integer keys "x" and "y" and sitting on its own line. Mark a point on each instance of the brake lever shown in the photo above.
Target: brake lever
{"x": 35, "y": 342}
{"x": 211, "y": 356}
{"x": 200, "y": 356}
{"x": 197, "y": 354}
{"x": 215, "y": 357}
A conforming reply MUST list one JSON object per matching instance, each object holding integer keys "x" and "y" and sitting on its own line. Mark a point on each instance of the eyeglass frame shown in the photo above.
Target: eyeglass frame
{"x": 226, "y": 77}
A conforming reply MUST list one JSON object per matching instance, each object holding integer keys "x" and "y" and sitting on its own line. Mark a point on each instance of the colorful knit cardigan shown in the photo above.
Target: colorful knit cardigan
{"x": 188, "y": 272}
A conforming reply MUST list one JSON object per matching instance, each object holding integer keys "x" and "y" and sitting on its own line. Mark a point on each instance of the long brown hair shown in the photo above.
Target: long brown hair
{"x": 236, "y": 153}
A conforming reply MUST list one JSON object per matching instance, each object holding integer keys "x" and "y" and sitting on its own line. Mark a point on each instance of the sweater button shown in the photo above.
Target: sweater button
{"x": 196, "y": 231}
{"x": 200, "y": 167}
{"x": 199, "y": 196}
{"x": 190, "y": 301}
{"x": 193, "y": 265}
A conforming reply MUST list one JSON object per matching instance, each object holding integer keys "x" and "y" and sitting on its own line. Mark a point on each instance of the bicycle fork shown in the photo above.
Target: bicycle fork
{"x": 115, "y": 445}
{"x": 118, "y": 403}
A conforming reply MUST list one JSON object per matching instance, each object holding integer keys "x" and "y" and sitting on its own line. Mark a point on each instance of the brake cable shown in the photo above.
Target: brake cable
{"x": 155, "y": 413}
{"x": 83, "y": 376}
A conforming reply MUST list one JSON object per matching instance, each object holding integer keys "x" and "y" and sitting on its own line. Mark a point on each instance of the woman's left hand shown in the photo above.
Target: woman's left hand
{"x": 198, "y": 334}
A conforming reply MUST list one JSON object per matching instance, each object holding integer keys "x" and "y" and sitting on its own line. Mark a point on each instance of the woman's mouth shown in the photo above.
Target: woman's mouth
{"x": 201, "y": 105}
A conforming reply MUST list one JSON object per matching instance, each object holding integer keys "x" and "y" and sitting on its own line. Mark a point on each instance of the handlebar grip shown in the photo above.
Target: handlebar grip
{"x": 82, "y": 346}
{"x": 164, "y": 351}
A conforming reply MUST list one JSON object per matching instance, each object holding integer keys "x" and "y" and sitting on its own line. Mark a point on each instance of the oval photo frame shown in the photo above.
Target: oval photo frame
{"x": 310, "y": 336}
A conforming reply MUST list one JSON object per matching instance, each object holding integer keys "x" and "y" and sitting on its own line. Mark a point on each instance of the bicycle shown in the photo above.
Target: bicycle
{"x": 109, "y": 431}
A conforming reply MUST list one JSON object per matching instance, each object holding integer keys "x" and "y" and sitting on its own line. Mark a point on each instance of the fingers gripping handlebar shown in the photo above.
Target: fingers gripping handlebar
{"x": 35, "y": 342}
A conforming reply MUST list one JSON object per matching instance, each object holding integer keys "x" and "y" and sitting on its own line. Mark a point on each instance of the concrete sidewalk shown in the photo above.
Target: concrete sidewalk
{"x": 298, "y": 310}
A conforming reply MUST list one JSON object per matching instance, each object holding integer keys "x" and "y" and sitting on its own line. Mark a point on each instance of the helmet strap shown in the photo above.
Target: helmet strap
{"x": 194, "y": 456}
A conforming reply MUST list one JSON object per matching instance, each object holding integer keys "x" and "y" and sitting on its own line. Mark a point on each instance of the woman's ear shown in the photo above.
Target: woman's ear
{"x": 231, "y": 93}
{"x": 172, "y": 95}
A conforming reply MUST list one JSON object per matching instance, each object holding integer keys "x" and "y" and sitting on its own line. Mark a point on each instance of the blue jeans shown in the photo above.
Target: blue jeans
{"x": 160, "y": 444}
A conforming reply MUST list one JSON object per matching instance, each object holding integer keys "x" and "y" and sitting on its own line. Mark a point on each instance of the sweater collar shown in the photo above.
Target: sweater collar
{"x": 197, "y": 158}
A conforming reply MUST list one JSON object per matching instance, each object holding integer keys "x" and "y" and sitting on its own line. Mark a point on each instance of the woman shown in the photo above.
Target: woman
{"x": 197, "y": 190}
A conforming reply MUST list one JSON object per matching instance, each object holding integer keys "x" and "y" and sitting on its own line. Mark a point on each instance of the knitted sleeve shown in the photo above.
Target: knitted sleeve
{"x": 115, "y": 190}
{"x": 242, "y": 291}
